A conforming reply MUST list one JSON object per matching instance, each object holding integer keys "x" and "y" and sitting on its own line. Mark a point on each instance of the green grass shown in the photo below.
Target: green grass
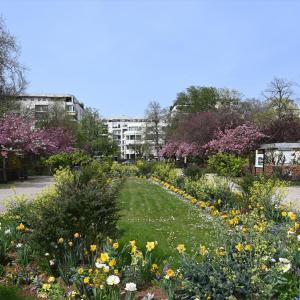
{"x": 11, "y": 293}
{"x": 149, "y": 213}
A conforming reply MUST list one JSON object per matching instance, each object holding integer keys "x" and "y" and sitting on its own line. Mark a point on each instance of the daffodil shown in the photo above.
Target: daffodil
{"x": 150, "y": 246}
{"x": 115, "y": 245}
{"x": 181, "y": 248}
{"x": 239, "y": 247}
{"x": 93, "y": 248}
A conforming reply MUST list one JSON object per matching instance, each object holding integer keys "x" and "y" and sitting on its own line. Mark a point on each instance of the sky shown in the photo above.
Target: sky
{"x": 119, "y": 55}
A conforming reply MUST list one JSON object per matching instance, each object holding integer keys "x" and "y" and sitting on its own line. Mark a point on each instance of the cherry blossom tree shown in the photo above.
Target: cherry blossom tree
{"x": 19, "y": 136}
{"x": 240, "y": 140}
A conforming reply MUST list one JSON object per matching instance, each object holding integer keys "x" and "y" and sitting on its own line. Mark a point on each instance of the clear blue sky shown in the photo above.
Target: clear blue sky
{"x": 119, "y": 55}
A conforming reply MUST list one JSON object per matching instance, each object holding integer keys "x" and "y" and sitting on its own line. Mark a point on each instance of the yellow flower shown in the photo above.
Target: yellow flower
{"x": 86, "y": 280}
{"x": 104, "y": 257}
{"x": 21, "y": 227}
{"x": 60, "y": 240}
{"x": 80, "y": 271}
{"x": 248, "y": 247}
{"x": 239, "y": 247}
{"x": 70, "y": 244}
{"x": 93, "y": 248}
{"x": 154, "y": 267}
{"x": 150, "y": 246}
{"x": 46, "y": 286}
{"x": 76, "y": 235}
{"x": 221, "y": 251}
{"x": 284, "y": 213}
{"x": 112, "y": 262}
{"x": 297, "y": 225}
{"x": 116, "y": 271}
{"x": 170, "y": 273}
{"x": 292, "y": 216}
{"x": 133, "y": 249}
{"x": 132, "y": 243}
{"x": 115, "y": 245}
{"x": 203, "y": 251}
{"x": 181, "y": 248}
{"x": 51, "y": 279}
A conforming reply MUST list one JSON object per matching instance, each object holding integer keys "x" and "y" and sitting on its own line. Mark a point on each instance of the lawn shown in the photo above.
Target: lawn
{"x": 11, "y": 293}
{"x": 149, "y": 213}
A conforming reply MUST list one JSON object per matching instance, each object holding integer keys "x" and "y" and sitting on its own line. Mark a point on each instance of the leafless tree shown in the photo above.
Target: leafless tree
{"x": 12, "y": 80}
{"x": 155, "y": 117}
{"x": 279, "y": 96}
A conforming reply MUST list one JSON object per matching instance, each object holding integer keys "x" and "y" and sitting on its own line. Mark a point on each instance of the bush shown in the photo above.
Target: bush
{"x": 227, "y": 164}
{"x": 119, "y": 170}
{"x": 216, "y": 191}
{"x": 145, "y": 168}
{"x": 64, "y": 160}
{"x": 193, "y": 171}
{"x": 82, "y": 201}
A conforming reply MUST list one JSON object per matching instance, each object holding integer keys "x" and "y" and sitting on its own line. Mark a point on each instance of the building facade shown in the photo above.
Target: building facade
{"x": 40, "y": 104}
{"x": 131, "y": 136}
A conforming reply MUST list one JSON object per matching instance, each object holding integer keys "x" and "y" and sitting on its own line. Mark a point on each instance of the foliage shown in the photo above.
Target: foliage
{"x": 121, "y": 170}
{"x": 194, "y": 171}
{"x": 240, "y": 140}
{"x": 226, "y": 164}
{"x": 145, "y": 168}
{"x": 18, "y": 134}
{"x": 67, "y": 159}
{"x": 215, "y": 191}
{"x": 92, "y": 135}
{"x": 81, "y": 201}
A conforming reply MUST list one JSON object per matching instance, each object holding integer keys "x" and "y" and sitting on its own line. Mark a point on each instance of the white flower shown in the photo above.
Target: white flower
{"x": 19, "y": 245}
{"x": 7, "y": 231}
{"x": 99, "y": 265}
{"x": 113, "y": 280}
{"x": 130, "y": 287}
{"x": 47, "y": 254}
{"x": 298, "y": 238}
{"x": 51, "y": 262}
{"x": 285, "y": 265}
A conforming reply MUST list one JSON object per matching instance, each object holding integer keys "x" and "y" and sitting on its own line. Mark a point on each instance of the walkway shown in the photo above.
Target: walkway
{"x": 29, "y": 188}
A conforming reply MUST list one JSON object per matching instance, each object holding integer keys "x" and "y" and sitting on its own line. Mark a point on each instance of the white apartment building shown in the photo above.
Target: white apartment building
{"x": 40, "y": 103}
{"x": 130, "y": 134}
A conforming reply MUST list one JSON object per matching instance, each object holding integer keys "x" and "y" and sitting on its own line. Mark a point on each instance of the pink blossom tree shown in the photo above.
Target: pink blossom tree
{"x": 19, "y": 135}
{"x": 240, "y": 140}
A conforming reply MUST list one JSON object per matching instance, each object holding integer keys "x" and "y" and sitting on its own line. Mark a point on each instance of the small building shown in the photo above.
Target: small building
{"x": 39, "y": 104}
{"x": 283, "y": 157}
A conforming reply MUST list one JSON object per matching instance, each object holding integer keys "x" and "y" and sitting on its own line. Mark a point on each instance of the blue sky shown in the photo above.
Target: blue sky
{"x": 119, "y": 55}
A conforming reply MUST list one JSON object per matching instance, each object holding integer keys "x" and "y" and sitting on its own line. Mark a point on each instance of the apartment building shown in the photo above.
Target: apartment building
{"x": 130, "y": 134}
{"x": 39, "y": 104}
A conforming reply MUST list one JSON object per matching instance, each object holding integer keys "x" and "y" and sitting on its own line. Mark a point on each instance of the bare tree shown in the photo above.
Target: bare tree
{"x": 155, "y": 117}
{"x": 279, "y": 97}
{"x": 12, "y": 81}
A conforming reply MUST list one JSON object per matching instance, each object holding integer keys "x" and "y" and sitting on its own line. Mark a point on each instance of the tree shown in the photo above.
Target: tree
{"x": 20, "y": 137}
{"x": 199, "y": 128}
{"x": 279, "y": 97}
{"x": 12, "y": 81}
{"x": 240, "y": 140}
{"x": 155, "y": 119}
{"x": 92, "y": 135}
{"x": 283, "y": 130}
{"x": 196, "y": 99}
{"x": 56, "y": 116}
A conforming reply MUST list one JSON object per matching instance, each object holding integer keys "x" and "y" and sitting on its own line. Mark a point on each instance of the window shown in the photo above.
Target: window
{"x": 70, "y": 108}
{"x": 41, "y": 108}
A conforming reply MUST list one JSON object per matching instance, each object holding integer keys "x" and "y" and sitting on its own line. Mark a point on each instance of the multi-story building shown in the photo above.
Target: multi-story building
{"x": 131, "y": 136}
{"x": 40, "y": 104}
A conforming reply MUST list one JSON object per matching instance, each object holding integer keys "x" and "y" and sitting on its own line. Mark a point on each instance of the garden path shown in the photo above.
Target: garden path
{"x": 29, "y": 188}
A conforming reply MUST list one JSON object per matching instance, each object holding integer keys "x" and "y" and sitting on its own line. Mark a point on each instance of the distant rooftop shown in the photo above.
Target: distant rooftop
{"x": 124, "y": 118}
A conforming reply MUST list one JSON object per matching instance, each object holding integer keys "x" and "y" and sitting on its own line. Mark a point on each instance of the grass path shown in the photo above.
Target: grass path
{"x": 149, "y": 213}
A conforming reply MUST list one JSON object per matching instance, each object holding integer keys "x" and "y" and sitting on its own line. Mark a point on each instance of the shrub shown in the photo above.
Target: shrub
{"x": 227, "y": 164}
{"x": 83, "y": 201}
{"x": 217, "y": 191}
{"x": 119, "y": 170}
{"x": 193, "y": 171}
{"x": 145, "y": 168}
{"x": 67, "y": 159}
